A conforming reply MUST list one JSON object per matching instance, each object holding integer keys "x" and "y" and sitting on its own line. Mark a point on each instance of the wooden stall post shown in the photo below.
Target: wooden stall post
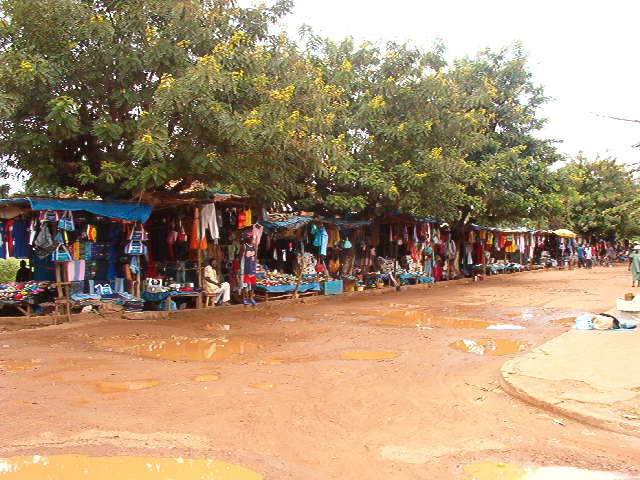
{"x": 62, "y": 301}
{"x": 199, "y": 268}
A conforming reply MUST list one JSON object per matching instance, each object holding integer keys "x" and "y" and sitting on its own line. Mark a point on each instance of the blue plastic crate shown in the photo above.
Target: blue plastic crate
{"x": 332, "y": 288}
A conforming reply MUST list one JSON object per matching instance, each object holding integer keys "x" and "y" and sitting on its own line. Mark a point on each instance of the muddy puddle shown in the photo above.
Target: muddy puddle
{"x": 490, "y": 346}
{"x": 368, "y": 355}
{"x": 128, "y": 386}
{"x": 507, "y": 471}
{"x": 17, "y": 366}
{"x": 78, "y": 467}
{"x": 291, "y": 359}
{"x": 182, "y": 348}
{"x": 408, "y": 318}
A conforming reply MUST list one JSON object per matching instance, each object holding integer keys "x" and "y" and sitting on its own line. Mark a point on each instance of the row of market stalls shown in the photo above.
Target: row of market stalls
{"x": 152, "y": 254}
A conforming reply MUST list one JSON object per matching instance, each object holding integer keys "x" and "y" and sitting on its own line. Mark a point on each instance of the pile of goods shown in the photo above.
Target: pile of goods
{"x": 275, "y": 279}
{"x": 22, "y": 292}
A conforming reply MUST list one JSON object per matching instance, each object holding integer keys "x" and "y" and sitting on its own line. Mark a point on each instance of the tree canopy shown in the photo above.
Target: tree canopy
{"x": 117, "y": 97}
{"x": 599, "y": 197}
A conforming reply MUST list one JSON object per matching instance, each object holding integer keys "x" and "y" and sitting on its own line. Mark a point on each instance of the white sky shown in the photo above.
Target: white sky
{"x": 583, "y": 52}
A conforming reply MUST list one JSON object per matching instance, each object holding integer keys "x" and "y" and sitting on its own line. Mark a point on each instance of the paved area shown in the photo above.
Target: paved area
{"x": 589, "y": 375}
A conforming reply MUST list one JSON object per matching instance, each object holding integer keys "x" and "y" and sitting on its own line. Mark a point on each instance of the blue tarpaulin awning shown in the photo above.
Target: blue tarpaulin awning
{"x": 129, "y": 211}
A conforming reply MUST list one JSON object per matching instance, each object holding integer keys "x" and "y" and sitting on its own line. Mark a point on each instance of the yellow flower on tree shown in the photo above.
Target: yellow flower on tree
{"x": 285, "y": 94}
{"x": 237, "y": 75}
{"x": 26, "y": 66}
{"x": 210, "y": 61}
{"x": 377, "y": 102}
{"x": 212, "y": 156}
{"x": 346, "y": 66}
{"x": 150, "y": 33}
{"x": 96, "y": 19}
{"x": 402, "y": 127}
{"x": 436, "y": 153}
{"x": 146, "y": 138}
{"x": 250, "y": 122}
{"x": 393, "y": 189}
{"x": 166, "y": 80}
{"x": 490, "y": 88}
{"x": 237, "y": 37}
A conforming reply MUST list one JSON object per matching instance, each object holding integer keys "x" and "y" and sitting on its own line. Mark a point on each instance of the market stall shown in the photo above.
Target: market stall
{"x": 79, "y": 246}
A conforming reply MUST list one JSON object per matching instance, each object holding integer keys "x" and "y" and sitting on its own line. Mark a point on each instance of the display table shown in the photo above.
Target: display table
{"x": 275, "y": 292}
{"x": 168, "y": 296}
{"x": 24, "y": 296}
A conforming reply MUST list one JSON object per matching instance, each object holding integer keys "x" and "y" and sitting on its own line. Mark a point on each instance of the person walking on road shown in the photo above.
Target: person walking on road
{"x": 588, "y": 256}
{"x": 634, "y": 266}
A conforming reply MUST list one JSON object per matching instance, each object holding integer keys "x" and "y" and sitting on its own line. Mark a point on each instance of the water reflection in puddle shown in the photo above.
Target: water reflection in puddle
{"x": 78, "y": 467}
{"x": 490, "y": 346}
{"x": 14, "y": 366}
{"x": 119, "y": 387}
{"x": 206, "y": 378}
{"x": 182, "y": 348}
{"x": 506, "y": 471}
{"x": 565, "y": 322}
{"x": 368, "y": 355}
{"x": 262, "y": 386}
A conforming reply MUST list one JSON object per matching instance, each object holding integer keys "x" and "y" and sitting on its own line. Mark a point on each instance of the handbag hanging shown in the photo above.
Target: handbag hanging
{"x": 135, "y": 247}
{"x": 62, "y": 254}
{"x": 43, "y": 244}
{"x": 138, "y": 233}
{"x": 49, "y": 216}
{"x": 66, "y": 222}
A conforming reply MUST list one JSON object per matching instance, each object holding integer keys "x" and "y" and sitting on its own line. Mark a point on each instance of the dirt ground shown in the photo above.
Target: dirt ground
{"x": 290, "y": 407}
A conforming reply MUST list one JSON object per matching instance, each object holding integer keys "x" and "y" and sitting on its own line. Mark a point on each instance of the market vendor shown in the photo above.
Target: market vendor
{"x": 213, "y": 286}
{"x": 24, "y": 273}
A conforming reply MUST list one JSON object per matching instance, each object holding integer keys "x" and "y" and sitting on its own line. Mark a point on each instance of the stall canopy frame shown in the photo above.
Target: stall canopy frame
{"x": 128, "y": 211}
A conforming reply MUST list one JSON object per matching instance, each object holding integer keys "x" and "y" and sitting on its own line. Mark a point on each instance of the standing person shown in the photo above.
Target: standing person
{"x": 588, "y": 256}
{"x": 634, "y": 266}
{"x": 248, "y": 261}
{"x": 580, "y": 256}
{"x": 214, "y": 286}
{"x": 611, "y": 254}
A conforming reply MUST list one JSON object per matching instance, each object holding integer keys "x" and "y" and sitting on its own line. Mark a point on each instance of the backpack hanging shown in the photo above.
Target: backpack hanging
{"x": 61, "y": 254}
{"x": 66, "y": 222}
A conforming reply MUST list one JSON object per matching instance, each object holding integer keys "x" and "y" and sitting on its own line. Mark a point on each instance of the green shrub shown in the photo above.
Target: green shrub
{"x": 8, "y": 269}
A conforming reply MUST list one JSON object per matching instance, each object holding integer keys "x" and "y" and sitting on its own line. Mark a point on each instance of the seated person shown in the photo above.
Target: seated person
{"x": 213, "y": 286}
{"x": 24, "y": 273}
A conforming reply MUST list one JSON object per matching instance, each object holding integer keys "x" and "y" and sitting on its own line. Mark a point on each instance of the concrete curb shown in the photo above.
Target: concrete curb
{"x": 536, "y": 392}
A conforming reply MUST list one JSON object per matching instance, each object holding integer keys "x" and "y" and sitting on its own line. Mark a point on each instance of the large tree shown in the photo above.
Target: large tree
{"x": 120, "y": 96}
{"x": 600, "y": 197}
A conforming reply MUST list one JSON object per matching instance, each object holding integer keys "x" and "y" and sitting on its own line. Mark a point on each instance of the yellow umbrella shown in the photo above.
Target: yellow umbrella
{"x": 563, "y": 232}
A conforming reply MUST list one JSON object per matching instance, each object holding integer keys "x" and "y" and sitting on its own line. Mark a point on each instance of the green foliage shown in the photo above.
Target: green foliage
{"x": 116, "y": 97}
{"x": 8, "y": 269}
{"x": 600, "y": 197}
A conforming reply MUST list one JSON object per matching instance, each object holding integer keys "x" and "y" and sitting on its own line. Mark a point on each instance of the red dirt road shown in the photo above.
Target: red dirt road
{"x": 421, "y": 415}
